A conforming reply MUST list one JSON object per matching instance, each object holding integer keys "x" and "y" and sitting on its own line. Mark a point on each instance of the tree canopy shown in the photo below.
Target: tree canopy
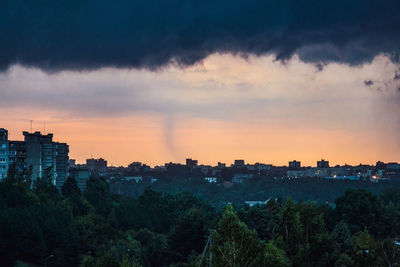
{"x": 97, "y": 228}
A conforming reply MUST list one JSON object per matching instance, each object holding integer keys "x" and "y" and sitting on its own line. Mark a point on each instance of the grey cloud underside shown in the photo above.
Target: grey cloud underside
{"x": 84, "y": 35}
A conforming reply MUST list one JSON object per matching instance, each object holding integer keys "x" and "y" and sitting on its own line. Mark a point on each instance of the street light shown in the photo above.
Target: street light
{"x": 48, "y": 257}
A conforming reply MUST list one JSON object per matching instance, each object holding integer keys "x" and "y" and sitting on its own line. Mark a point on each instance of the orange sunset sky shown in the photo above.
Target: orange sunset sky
{"x": 222, "y": 109}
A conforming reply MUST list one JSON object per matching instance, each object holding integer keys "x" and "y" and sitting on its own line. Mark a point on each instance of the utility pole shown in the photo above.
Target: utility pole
{"x": 209, "y": 242}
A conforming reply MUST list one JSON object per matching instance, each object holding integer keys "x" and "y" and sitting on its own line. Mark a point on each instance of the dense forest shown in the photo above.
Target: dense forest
{"x": 40, "y": 226}
{"x": 258, "y": 188}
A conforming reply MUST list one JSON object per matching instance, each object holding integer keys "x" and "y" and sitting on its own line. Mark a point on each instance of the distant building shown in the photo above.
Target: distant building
{"x": 322, "y": 172}
{"x": 297, "y": 173}
{"x": 81, "y": 176}
{"x": 137, "y": 179}
{"x": 72, "y": 163}
{"x": 239, "y": 163}
{"x": 146, "y": 168}
{"x": 340, "y": 171}
{"x": 251, "y": 167}
{"x": 391, "y": 166}
{"x": 99, "y": 165}
{"x": 205, "y": 169}
{"x": 294, "y": 165}
{"x": 135, "y": 166}
{"x": 252, "y": 203}
{"x": 3, "y": 153}
{"x": 40, "y": 154}
{"x": 17, "y": 154}
{"x": 221, "y": 165}
{"x": 46, "y": 157}
{"x": 322, "y": 164}
{"x": 240, "y": 178}
{"x": 211, "y": 179}
{"x": 62, "y": 164}
{"x": 337, "y": 177}
{"x": 380, "y": 165}
{"x": 175, "y": 168}
{"x": 260, "y": 167}
{"x": 191, "y": 163}
{"x": 37, "y": 152}
{"x": 263, "y": 167}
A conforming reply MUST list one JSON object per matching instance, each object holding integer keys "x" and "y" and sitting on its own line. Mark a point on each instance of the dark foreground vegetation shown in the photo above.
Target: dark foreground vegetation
{"x": 40, "y": 226}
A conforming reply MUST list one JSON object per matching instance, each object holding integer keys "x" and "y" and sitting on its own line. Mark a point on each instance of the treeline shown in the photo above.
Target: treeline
{"x": 38, "y": 225}
{"x": 258, "y": 188}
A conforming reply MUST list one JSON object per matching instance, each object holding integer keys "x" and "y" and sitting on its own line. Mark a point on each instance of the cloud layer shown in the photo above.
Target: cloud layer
{"x": 89, "y": 34}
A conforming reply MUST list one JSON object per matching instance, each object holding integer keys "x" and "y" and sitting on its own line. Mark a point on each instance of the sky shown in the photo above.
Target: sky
{"x": 160, "y": 81}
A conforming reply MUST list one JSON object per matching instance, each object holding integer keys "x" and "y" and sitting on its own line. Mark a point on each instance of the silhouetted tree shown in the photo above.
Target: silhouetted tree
{"x": 70, "y": 188}
{"x": 360, "y": 209}
{"x": 234, "y": 244}
{"x": 98, "y": 194}
{"x": 275, "y": 257}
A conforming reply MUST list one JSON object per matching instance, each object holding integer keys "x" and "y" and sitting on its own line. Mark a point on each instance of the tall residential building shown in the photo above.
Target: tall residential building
{"x": 3, "y": 153}
{"x": 62, "y": 164}
{"x": 46, "y": 157}
{"x": 37, "y": 151}
{"x": 17, "y": 154}
{"x": 40, "y": 154}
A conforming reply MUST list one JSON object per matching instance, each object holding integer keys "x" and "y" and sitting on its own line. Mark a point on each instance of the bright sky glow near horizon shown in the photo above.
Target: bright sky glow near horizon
{"x": 223, "y": 108}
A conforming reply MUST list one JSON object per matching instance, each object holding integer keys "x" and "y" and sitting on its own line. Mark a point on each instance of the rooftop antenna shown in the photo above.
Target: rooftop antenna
{"x": 44, "y": 127}
{"x": 31, "y": 125}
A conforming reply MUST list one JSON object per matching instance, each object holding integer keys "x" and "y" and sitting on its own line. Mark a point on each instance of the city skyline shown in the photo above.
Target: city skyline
{"x": 262, "y": 160}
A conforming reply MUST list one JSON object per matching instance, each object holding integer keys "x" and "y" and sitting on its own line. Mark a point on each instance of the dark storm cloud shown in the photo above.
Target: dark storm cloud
{"x": 90, "y": 34}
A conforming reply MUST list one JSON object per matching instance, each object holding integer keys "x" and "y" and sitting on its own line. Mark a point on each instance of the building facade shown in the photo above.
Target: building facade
{"x": 62, "y": 164}
{"x": 81, "y": 176}
{"x": 37, "y": 152}
{"x": 3, "y": 153}
{"x": 17, "y": 154}
{"x": 40, "y": 154}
